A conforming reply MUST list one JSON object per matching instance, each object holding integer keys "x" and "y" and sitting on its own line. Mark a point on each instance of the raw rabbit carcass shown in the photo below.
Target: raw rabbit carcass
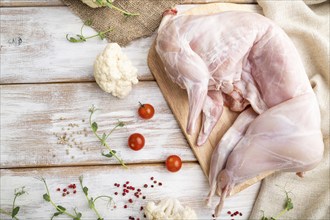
{"x": 246, "y": 62}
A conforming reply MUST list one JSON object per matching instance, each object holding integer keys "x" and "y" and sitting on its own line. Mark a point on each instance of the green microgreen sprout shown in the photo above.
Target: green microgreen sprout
{"x": 109, "y": 4}
{"x": 91, "y": 201}
{"x": 15, "y": 209}
{"x": 81, "y": 38}
{"x": 288, "y": 205}
{"x": 60, "y": 210}
{"x": 103, "y": 139}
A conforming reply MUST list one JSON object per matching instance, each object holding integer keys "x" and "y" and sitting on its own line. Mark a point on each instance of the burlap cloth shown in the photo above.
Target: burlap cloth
{"x": 125, "y": 29}
{"x": 307, "y": 24}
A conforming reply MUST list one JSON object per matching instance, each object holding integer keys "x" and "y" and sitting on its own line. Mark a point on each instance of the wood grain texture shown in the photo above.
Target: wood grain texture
{"x": 189, "y": 185}
{"x": 179, "y": 104}
{"x": 30, "y": 114}
{"x": 34, "y": 47}
{"x": 20, "y": 3}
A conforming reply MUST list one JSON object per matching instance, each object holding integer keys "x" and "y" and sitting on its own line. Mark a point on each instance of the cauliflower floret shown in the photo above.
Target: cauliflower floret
{"x": 96, "y": 3}
{"x": 169, "y": 209}
{"x": 114, "y": 72}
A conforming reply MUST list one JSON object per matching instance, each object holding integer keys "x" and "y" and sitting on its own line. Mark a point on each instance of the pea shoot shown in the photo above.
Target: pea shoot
{"x": 91, "y": 201}
{"x": 15, "y": 209}
{"x": 288, "y": 205}
{"x": 60, "y": 210}
{"x": 104, "y": 137}
{"x": 109, "y": 4}
{"x": 81, "y": 38}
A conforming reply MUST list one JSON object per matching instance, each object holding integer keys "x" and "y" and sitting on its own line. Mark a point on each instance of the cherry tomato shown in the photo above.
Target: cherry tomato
{"x": 173, "y": 163}
{"x": 136, "y": 141}
{"x": 146, "y": 111}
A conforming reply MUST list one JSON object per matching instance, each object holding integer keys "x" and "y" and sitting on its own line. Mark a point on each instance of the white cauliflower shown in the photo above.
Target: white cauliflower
{"x": 114, "y": 72}
{"x": 96, "y": 3}
{"x": 169, "y": 209}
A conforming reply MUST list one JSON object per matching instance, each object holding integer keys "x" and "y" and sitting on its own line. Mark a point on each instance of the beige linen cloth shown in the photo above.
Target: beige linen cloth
{"x": 307, "y": 24}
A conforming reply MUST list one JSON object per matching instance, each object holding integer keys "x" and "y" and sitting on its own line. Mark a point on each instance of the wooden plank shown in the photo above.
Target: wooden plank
{"x": 189, "y": 185}
{"x": 34, "y": 47}
{"x": 31, "y": 119}
{"x": 30, "y": 3}
{"x": 179, "y": 104}
{"x": 21, "y": 3}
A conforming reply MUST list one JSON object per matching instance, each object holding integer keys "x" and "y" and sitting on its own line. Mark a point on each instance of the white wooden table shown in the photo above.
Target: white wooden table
{"x": 46, "y": 84}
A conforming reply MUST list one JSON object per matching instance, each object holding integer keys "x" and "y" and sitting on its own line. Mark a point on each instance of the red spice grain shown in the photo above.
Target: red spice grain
{"x": 130, "y": 200}
{"x": 127, "y": 182}
{"x": 152, "y": 178}
{"x": 64, "y": 190}
{"x": 58, "y": 189}
{"x": 116, "y": 193}
{"x": 229, "y": 212}
{"x": 155, "y": 181}
{"x": 139, "y": 190}
{"x": 67, "y": 192}
{"x": 125, "y": 206}
{"x": 240, "y": 214}
{"x": 74, "y": 191}
{"x": 160, "y": 184}
{"x": 124, "y": 194}
{"x": 145, "y": 185}
{"x": 141, "y": 208}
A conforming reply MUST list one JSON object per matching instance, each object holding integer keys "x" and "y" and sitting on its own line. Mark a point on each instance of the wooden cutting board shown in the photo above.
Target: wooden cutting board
{"x": 177, "y": 98}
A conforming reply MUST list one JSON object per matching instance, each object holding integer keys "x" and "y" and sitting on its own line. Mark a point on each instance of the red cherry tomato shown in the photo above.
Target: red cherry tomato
{"x": 136, "y": 141}
{"x": 146, "y": 111}
{"x": 173, "y": 163}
